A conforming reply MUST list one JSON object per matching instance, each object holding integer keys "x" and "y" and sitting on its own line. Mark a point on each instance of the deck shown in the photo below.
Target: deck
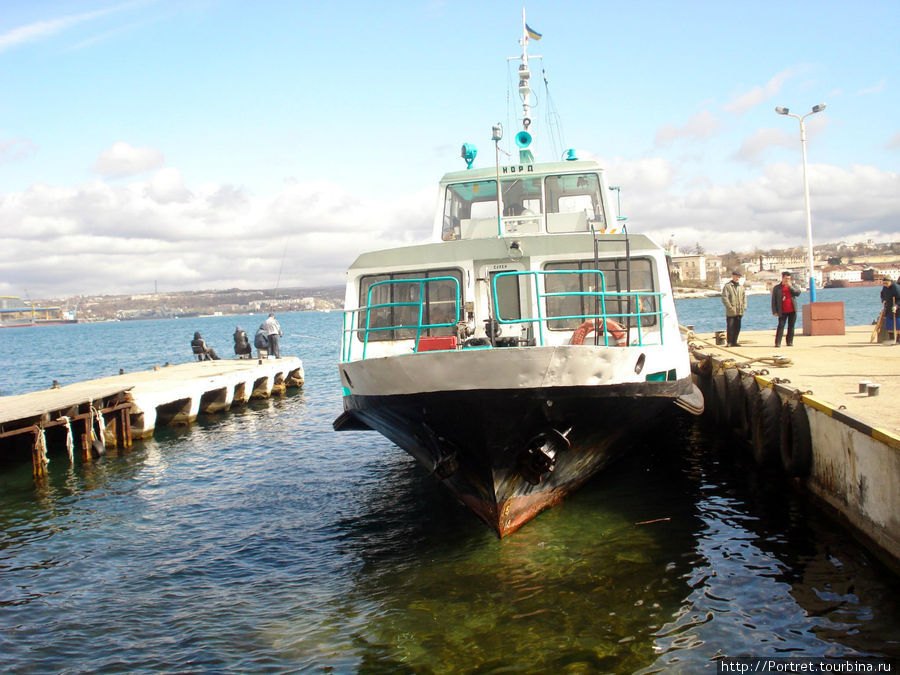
{"x": 113, "y": 410}
{"x": 831, "y": 366}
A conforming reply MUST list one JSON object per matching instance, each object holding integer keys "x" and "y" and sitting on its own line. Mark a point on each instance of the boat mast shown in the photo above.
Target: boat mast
{"x": 523, "y": 138}
{"x": 524, "y": 77}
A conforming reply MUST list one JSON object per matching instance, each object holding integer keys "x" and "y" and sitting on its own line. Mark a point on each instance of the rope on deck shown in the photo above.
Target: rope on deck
{"x": 741, "y": 360}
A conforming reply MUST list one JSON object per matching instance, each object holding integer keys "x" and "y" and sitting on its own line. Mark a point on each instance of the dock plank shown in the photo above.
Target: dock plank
{"x": 831, "y": 366}
{"x": 147, "y": 381}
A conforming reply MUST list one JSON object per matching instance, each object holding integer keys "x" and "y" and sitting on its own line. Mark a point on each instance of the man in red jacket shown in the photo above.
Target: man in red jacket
{"x": 784, "y": 306}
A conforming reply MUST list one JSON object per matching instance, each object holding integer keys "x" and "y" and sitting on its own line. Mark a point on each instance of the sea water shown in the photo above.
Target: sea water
{"x": 259, "y": 540}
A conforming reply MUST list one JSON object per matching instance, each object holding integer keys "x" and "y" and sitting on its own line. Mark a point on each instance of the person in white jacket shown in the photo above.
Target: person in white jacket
{"x": 273, "y": 330}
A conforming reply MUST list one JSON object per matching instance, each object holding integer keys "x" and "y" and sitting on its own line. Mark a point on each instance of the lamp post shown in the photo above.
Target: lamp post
{"x": 785, "y": 111}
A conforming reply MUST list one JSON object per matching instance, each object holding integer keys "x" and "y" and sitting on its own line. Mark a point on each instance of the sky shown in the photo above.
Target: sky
{"x": 178, "y": 145}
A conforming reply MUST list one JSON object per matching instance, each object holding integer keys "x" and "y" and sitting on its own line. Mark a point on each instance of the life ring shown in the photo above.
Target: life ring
{"x": 616, "y": 330}
{"x": 765, "y": 427}
{"x": 796, "y": 440}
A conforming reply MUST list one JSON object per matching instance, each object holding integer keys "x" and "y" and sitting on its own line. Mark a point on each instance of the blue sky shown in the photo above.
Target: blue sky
{"x": 195, "y": 143}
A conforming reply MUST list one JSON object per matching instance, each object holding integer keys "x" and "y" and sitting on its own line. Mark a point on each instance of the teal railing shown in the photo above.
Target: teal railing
{"x": 600, "y": 298}
{"x": 350, "y": 316}
{"x": 642, "y": 318}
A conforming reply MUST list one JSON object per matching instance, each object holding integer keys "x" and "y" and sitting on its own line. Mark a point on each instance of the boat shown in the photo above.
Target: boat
{"x": 14, "y": 313}
{"x": 525, "y": 347}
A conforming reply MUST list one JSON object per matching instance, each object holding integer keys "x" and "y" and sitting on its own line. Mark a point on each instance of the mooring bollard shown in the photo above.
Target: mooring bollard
{"x": 873, "y": 389}
{"x": 863, "y": 386}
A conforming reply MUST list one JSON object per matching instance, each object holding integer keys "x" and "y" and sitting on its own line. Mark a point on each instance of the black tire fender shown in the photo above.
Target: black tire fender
{"x": 719, "y": 398}
{"x": 734, "y": 401}
{"x": 765, "y": 428}
{"x": 796, "y": 440}
{"x": 749, "y": 393}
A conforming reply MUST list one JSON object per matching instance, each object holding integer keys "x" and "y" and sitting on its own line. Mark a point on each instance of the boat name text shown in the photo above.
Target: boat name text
{"x": 521, "y": 168}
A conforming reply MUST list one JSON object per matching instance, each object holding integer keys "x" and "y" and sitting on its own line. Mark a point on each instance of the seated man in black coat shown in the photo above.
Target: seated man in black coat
{"x": 242, "y": 344}
{"x": 200, "y": 348}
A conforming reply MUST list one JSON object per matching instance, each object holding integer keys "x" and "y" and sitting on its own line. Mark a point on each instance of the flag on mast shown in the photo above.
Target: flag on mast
{"x": 533, "y": 34}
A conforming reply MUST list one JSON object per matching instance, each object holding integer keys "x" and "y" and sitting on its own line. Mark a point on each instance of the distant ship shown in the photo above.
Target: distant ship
{"x": 14, "y": 313}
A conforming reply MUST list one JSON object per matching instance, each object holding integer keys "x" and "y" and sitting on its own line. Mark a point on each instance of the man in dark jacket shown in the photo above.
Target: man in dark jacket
{"x": 203, "y": 351}
{"x": 241, "y": 344}
{"x": 784, "y": 306}
{"x": 890, "y": 296}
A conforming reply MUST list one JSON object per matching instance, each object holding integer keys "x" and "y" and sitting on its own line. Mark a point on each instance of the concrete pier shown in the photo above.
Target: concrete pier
{"x": 852, "y": 438}
{"x": 113, "y": 410}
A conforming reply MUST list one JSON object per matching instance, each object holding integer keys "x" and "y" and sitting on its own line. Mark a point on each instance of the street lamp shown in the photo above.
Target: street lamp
{"x": 786, "y": 111}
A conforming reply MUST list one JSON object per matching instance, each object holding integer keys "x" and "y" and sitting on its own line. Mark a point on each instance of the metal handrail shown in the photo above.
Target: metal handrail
{"x": 601, "y": 295}
{"x": 348, "y": 332}
{"x": 350, "y": 328}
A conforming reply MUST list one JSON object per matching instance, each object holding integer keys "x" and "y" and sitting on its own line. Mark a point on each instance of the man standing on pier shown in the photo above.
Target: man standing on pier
{"x": 890, "y": 296}
{"x": 735, "y": 300}
{"x": 784, "y": 306}
{"x": 273, "y": 330}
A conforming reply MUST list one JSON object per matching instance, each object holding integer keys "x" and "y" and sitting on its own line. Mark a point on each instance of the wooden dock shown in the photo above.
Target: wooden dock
{"x": 801, "y": 412}
{"x": 111, "y": 411}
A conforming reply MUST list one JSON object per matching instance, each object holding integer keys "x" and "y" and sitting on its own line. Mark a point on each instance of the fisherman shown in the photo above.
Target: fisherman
{"x": 203, "y": 351}
{"x": 735, "y": 300}
{"x": 261, "y": 341}
{"x": 784, "y": 306}
{"x": 273, "y": 332}
{"x": 890, "y": 297}
{"x": 242, "y": 347}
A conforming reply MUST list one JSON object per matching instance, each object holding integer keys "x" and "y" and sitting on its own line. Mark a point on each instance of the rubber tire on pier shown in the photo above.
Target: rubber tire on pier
{"x": 765, "y": 429}
{"x": 703, "y": 370}
{"x": 749, "y": 393}
{"x": 796, "y": 440}
{"x": 719, "y": 398}
{"x": 734, "y": 402}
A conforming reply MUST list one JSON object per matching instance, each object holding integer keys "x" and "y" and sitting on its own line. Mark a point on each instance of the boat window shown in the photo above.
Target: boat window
{"x": 508, "y": 300}
{"x": 401, "y": 313}
{"x": 522, "y": 205}
{"x": 615, "y": 275}
{"x": 574, "y": 203}
{"x": 470, "y": 210}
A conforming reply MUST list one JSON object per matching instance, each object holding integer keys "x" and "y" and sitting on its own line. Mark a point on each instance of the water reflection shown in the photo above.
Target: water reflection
{"x": 262, "y": 541}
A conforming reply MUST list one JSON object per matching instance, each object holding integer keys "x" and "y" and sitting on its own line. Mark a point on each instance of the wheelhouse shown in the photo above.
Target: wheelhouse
{"x": 560, "y": 198}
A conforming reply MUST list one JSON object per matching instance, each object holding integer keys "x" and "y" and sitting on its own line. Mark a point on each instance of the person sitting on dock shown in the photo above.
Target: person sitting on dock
{"x": 273, "y": 331}
{"x": 203, "y": 351}
{"x": 262, "y": 342}
{"x": 242, "y": 347}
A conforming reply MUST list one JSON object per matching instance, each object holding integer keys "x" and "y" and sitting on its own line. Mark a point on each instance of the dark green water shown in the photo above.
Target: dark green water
{"x": 261, "y": 541}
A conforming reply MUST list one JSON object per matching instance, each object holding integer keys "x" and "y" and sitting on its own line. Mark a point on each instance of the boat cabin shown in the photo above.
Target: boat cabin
{"x": 549, "y": 198}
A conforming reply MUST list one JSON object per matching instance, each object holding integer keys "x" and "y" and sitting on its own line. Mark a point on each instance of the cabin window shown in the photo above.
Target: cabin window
{"x": 400, "y": 318}
{"x": 574, "y": 203}
{"x": 522, "y": 205}
{"x": 615, "y": 274}
{"x": 470, "y": 210}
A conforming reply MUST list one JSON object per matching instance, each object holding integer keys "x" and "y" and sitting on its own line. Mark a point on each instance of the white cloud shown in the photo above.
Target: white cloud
{"x": 16, "y": 149}
{"x": 40, "y": 30}
{"x": 109, "y": 238}
{"x": 754, "y": 146}
{"x": 756, "y": 95}
{"x": 123, "y": 159}
{"x": 701, "y": 126}
{"x": 875, "y": 89}
{"x": 893, "y": 142}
